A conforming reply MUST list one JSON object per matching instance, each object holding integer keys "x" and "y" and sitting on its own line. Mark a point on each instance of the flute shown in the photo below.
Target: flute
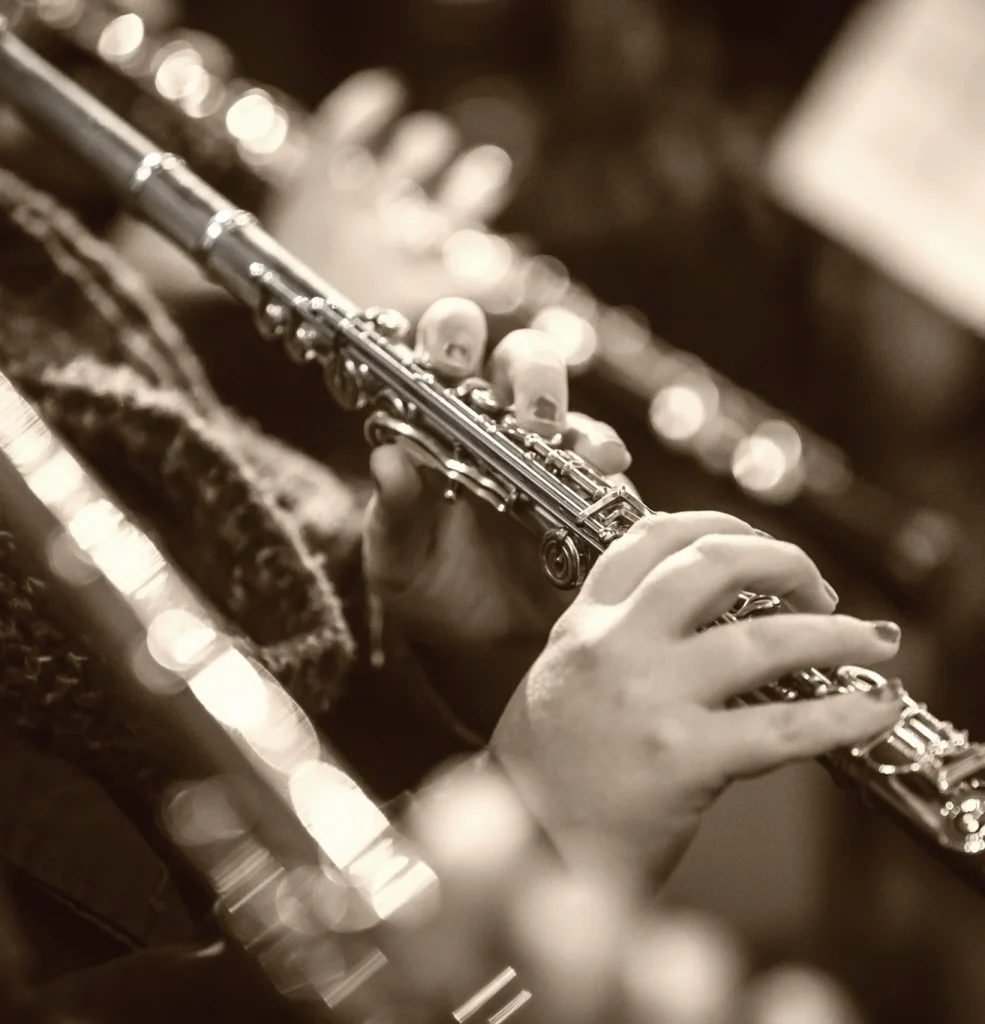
{"x": 924, "y": 772}
{"x": 178, "y": 86}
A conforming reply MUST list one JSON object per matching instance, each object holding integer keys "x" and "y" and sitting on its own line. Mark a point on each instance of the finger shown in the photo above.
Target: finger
{"x": 799, "y": 995}
{"x": 451, "y": 336}
{"x": 702, "y": 581}
{"x": 597, "y": 443}
{"x": 421, "y": 145}
{"x": 681, "y": 969}
{"x": 476, "y": 188}
{"x": 399, "y": 533}
{"x": 739, "y": 657}
{"x": 358, "y": 111}
{"x": 743, "y": 742}
{"x": 527, "y": 372}
{"x": 626, "y": 562}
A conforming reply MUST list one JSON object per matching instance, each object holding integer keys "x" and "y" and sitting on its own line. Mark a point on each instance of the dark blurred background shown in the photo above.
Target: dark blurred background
{"x": 638, "y": 132}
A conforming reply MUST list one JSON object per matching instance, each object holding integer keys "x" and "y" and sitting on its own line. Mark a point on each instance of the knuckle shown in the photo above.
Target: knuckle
{"x": 579, "y": 643}
{"x": 583, "y": 655}
{"x": 834, "y": 723}
{"x": 844, "y": 626}
{"x": 838, "y": 716}
{"x": 711, "y": 547}
{"x": 786, "y": 549}
{"x": 669, "y": 735}
{"x": 719, "y": 521}
{"x": 740, "y": 525}
{"x": 755, "y": 635}
{"x": 790, "y": 557}
{"x": 760, "y": 644}
{"x": 643, "y": 527}
{"x": 565, "y": 628}
{"x": 791, "y": 727}
{"x": 647, "y": 524}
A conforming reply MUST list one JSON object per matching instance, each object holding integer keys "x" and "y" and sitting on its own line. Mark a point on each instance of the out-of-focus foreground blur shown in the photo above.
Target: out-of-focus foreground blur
{"x": 773, "y": 214}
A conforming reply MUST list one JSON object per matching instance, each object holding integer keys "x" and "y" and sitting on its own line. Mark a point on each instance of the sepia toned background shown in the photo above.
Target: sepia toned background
{"x": 767, "y": 196}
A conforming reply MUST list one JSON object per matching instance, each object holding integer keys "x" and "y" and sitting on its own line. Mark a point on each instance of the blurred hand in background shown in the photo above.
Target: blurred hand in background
{"x": 380, "y": 190}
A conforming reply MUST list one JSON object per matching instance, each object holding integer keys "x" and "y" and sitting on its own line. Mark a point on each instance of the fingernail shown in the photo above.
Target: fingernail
{"x": 888, "y": 632}
{"x": 456, "y": 353}
{"x": 831, "y": 592}
{"x": 891, "y": 692}
{"x": 544, "y": 409}
{"x": 615, "y": 449}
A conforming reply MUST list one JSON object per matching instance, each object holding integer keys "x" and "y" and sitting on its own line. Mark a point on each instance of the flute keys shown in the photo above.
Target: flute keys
{"x": 392, "y": 325}
{"x": 964, "y": 825}
{"x": 563, "y": 559}
{"x": 301, "y": 344}
{"x": 484, "y": 400}
{"x": 346, "y": 381}
{"x": 273, "y": 321}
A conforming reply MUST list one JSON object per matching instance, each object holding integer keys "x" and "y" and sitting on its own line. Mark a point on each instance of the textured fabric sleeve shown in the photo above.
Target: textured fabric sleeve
{"x": 257, "y": 527}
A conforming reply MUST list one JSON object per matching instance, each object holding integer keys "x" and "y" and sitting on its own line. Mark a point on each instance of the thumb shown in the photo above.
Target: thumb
{"x": 400, "y": 526}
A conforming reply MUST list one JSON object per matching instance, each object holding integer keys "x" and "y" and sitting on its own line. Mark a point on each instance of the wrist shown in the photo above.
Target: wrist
{"x": 551, "y": 785}
{"x": 514, "y": 751}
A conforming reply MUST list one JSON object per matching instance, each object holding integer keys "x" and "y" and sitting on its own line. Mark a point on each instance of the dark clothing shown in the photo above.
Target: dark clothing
{"x": 272, "y": 539}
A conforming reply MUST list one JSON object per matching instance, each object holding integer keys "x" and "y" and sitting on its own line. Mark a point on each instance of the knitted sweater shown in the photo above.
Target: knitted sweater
{"x": 269, "y": 535}
{"x": 265, "y": 532}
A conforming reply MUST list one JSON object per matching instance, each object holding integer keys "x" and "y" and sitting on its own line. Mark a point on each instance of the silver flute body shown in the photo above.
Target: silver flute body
{"x": 691, "y": 409}
{"x": 924, "y": 772}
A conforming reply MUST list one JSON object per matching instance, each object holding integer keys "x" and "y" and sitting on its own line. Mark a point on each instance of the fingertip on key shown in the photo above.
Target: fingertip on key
{"x": 890, "y": 692}
{"x": 613, "y": 457}
{"x": 545, "y": 410}
{"x": 452, "y": 333}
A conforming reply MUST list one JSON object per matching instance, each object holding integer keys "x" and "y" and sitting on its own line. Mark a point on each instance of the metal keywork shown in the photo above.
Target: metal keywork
{"x": 349, "y": 381}
{"x": 565, "y": 561}
{"x": 964, "y": 822}
{"x": 566, "y": 558}
{"x": 382, "y": 428}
